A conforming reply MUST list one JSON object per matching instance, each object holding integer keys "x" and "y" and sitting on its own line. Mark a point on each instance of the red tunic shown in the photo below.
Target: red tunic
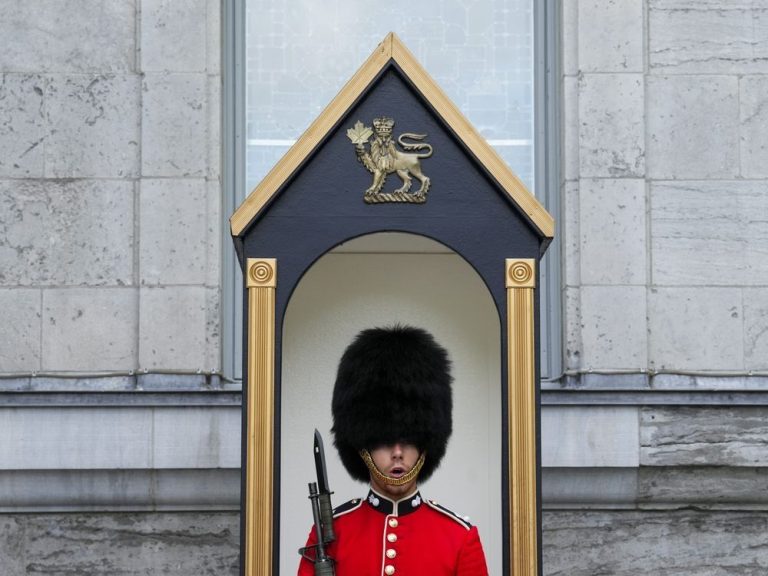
{"x": 410, "y": 537}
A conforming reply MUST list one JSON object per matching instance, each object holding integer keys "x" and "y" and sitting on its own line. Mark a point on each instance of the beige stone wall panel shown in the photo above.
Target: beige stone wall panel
{"x": 613, "y": 231}
{"x": 693, "y": 436}
{"x": 174, "y": 35}
{"x": 614, "y": 330}
{"x": 174, "y": 231}
{"x": 708, "y": 38}
{"x": 570, "y": 150}
{"x": 611, "y": 35}
{"x": 693, "y": 127}
{"x": 571, "y": 234}
{"x": 20, "y": 330}
{"x": 172, "y": 327}
{"x": 753, "y": 94}
{"x": 756, "y": 328}
{"x": 93, "y": 126}
{"x": 214, "y": 145}
{"x": 174, "y": 125}
{"x": 611, "y": 125}
{"x": 696, "y": 329}
{"x": 709, "y": 233}
{"x": 573, "y": 329}
{"x": 89, "y": 329}
{"x": 67, "y": 232}
{"x": 22, "y": 125}
{"x": 71, "y": 36}
{"x": 569, "y": 37}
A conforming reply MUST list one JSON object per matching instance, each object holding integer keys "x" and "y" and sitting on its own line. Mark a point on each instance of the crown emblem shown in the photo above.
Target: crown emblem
{"x": 383, "y": 126}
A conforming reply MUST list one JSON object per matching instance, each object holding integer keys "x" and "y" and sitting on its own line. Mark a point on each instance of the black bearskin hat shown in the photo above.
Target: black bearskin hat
{"x": 393, "y": 385}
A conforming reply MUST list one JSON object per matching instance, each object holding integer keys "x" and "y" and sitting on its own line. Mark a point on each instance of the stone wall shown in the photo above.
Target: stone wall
{"x": 654, "y": 444}
{"x": 109, "y": 186}
{"x": 665, "y": 282}
{"x": 665, "y": 172}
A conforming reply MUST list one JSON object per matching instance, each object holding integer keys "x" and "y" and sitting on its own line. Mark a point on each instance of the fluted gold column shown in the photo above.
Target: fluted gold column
{"x": 521, "y": 414}
{"x": 261, "y": 275}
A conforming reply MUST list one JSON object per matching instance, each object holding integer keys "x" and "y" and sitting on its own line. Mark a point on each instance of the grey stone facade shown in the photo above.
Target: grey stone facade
{"x": 654, "y": 442}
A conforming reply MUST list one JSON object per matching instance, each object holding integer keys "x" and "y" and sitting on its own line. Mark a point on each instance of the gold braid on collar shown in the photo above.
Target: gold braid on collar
{"x": 366, "y": 456}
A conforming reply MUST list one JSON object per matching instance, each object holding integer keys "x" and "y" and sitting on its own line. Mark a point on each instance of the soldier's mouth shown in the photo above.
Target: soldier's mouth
{"x": 397, "y": 471}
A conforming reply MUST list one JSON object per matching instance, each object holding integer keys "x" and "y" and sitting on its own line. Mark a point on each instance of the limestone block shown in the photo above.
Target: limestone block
{"x": 570, "y": 38}
{"x": 570, "y": 128}
{"x": 612, "y": 125}
{"x": 197, "y": 544}
{"x": 571, "y": 234}
{"x": 573, "y": 343}
{"x": 20, "y": 330}
{"x": 611, "y": 35}
{"x": 214, "y": 152}
{"x": 214, "y": 233}
{"x": 756, "y": 328}
{"x": 614, "y": 327}
{"x": 709, "y": 233}
{"x": 55, "y": 36}
{"x": 589, "y": 436}
{"x": 22, "y": 125}
{"x": 172, "y": 328}
{"x": 12, "y": 546}
{"x": 174, "y": 124}
{"x": 66, "y": 232}
{"x": 693, "y": 127}
{"x": 173, "y": 35}
{"x": 753, "y": 93}
{"x": 679, "y": 543}
{"x": 196, "y": 437}
{"x": 708, "y": 38}
{"x": 703, "y": 487}
{"x": 174, "y": 237}
{"x": 213, "y": 329}
{"x": 695, "y": 329}
{"x": 693, "y": 436}
{"x": 612, "y": 225}
{"x": 214, "y": 47}
{"x": 75, "y": 438}
{"x": 93, "y": 123}
{"x": 89, "y": 329}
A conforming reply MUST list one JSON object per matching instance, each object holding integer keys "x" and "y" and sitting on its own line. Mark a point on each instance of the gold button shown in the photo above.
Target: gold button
{"x": 391, "y": 553}
{"x": 393, "y": 522}
{"x": 392, "y": 537}
{"x": 389, "y": 570}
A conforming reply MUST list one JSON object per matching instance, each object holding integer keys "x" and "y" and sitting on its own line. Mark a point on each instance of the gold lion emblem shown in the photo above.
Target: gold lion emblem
{"x": 382, "y": 157}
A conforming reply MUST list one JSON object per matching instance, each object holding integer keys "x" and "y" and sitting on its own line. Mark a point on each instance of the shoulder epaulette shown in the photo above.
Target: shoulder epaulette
{"x": 463, "y": 520}
{"x": 347, "y": 507}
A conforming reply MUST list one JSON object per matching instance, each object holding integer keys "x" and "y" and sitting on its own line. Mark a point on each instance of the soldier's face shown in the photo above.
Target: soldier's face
{"x": 394, "y": 460}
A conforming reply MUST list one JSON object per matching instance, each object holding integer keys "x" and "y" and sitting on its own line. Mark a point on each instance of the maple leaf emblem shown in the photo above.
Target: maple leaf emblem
{"x": 360, "y": 133}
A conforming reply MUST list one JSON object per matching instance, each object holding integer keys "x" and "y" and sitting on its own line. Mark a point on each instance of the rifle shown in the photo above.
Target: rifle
{"x": 322, "y": 514}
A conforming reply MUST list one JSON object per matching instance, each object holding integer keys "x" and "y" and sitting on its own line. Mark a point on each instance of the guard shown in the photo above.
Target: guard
{"x": 392, "y": 418}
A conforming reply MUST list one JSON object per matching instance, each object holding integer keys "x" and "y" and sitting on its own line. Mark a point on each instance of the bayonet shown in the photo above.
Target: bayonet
{"x": 324, "y": 491}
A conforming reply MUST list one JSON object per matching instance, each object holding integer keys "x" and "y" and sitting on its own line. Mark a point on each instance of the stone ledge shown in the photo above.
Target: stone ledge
{"x": 655, "y": 488}
{"x": 645, "y": 488}
{"x": 26, "y": 491}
